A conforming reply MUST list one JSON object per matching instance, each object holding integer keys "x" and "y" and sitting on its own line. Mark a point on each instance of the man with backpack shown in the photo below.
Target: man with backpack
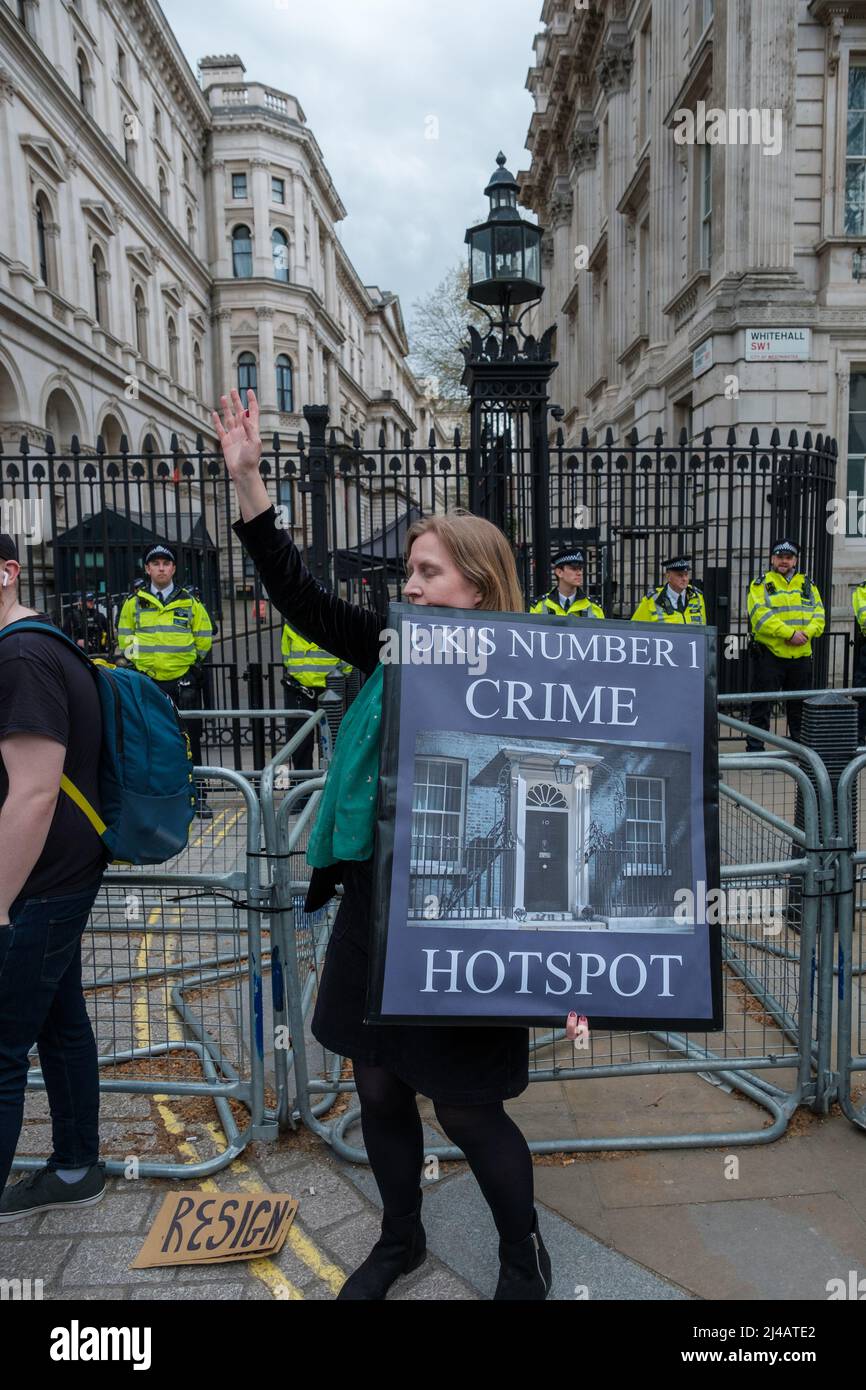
{"x": 50, "y": 872}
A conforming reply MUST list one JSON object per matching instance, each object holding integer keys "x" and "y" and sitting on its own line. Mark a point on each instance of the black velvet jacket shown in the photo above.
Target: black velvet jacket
{"x": 341, "y": 628}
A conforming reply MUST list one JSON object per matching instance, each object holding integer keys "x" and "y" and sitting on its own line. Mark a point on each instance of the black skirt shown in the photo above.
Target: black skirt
{"x": 454, "y": 1065}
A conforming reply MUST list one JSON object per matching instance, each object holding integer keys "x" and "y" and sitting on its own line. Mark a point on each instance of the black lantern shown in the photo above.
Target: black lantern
{"x": 504, "y": 251}
{"x": 564, "y": 771}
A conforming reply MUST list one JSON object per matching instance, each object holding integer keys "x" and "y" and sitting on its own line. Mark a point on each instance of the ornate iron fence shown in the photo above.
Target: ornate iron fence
{"x": 627, "y": 503}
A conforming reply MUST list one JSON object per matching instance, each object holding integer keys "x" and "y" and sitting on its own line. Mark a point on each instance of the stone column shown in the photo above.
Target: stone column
{"x": 299, "y": 199}
{"x": 614, "y": 73}
{"x": 219, "y": 250}
{"x": 302, "y": 388}
{"x": 772, "y": 73}
{"x": 122, "y": 319}
{"x": 664, "y": 199}
{"x": 584, "y": 151}
{"x": 559, "y": 223}
{"x": 262, "y": 260}
{"x": 267, "y": 371}
{"x": 316, "y": 257}
{"x": 184, "y": 346}
{"x": 318, "y": 373}
{"x": 17, "y": 209}
{"x": 333, "y": 396}
{"x": 330, "y": 276}
{"x": 225, "y": 376}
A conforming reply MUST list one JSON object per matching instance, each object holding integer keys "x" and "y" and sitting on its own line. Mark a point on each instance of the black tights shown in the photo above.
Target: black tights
{"x": 494, "y": 1147}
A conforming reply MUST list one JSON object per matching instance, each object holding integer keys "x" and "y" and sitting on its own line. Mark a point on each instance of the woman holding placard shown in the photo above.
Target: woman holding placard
{"x": 455, "y": 561}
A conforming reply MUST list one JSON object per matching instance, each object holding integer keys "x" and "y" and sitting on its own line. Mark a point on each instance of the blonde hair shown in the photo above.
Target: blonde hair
{"x": 482, "y": 554}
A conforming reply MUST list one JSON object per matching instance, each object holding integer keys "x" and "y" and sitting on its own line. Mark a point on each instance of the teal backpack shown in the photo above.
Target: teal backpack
{"x": 145, "y": 772}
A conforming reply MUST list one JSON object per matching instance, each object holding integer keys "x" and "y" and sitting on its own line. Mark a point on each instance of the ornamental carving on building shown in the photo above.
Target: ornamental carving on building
{"x": 584, "y": 146}
{"x": 561, "y": 208}
{"x": 615, "y": 64}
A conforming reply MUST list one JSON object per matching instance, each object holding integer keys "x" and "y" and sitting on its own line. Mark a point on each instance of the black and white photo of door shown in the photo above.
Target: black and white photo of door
{"x": 550, "y": 811}
{"x": 546, "y": 858}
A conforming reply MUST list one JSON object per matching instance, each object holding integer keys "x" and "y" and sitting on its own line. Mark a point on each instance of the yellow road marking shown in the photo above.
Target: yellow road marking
{"x": 207, "y": 826}
{"x": 227, "y": 827}
{"x": 299, "y": 1243}
{"x": 302, "y": 1247}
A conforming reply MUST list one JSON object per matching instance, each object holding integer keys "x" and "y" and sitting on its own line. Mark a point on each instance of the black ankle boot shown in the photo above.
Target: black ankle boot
{"x": 401, "y": 1248}
{"x": 524, "y": 1269}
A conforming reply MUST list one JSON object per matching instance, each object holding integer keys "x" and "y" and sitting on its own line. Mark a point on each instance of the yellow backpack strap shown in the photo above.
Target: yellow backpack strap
{"x": 83, "y": 804}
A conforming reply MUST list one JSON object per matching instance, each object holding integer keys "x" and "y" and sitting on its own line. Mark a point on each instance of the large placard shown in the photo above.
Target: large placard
{"x": 547, "y": 834}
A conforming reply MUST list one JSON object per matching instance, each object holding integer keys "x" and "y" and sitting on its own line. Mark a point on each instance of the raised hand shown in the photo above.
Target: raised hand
{"x": 242, "y": 449}
{"x": 240, "y": 440}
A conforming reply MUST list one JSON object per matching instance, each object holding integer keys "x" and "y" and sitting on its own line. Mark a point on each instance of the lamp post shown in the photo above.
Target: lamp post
{"x": 504, "y": 252}
{"x": 508, "y": 380}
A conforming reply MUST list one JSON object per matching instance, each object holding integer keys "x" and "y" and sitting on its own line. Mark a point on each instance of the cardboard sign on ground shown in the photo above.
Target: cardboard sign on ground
{"x": 213, "y": 1227}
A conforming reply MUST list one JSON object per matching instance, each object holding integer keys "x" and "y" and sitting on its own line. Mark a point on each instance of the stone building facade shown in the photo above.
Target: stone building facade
{"x": 167, "y": 239}
{"x": 700, "y": 169}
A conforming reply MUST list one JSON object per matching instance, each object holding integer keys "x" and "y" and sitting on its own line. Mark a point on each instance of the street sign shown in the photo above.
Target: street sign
{"x": 778, "y": 344}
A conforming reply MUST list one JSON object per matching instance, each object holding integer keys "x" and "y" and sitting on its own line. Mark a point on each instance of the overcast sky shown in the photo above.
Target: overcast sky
{"x": 373, "y": 78}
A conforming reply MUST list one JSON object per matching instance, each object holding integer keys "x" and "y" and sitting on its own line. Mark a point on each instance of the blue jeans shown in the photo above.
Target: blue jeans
{"x": 42, "y": 1002}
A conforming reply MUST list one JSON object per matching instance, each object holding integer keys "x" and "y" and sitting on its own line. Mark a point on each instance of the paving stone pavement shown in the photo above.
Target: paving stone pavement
{"x": 85, "y": 1253}
{"x": 668, "y": 1224}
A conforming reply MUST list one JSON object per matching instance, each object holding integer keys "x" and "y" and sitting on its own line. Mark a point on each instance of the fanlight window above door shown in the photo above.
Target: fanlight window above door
{"x": 545, "y": 794}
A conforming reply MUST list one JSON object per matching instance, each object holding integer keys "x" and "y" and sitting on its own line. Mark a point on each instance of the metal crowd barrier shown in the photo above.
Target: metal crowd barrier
{"x": 172, "y": 964}
{"x": 177, "y": 957}
{"x": 851, "y": 975}
{"x": 778, "y": 962}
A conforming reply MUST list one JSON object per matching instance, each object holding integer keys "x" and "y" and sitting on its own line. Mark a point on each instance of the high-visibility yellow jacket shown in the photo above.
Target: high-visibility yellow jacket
{"x": 656, "y": 607}
{"x": 858, "y": 601}
{"x": 308, "y": 664}
{"x": 580, "y": 607}
{"x": 164, "y": 639}
{"x": 779, "y": 607}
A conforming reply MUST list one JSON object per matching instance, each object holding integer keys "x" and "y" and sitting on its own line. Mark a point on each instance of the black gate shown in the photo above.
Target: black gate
{"x": 628, "y": 503}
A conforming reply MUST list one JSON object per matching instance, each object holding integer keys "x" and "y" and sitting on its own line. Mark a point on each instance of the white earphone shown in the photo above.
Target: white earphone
{"x": 5, "y": 578}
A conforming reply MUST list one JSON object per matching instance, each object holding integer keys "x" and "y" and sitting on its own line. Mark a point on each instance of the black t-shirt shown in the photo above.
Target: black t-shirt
{"x": 46, "y": 689}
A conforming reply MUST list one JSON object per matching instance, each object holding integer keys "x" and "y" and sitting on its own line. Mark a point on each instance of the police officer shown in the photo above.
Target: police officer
{"x": 675, "y": 601}
{"x": 166, "y": 633}
{"x": 87, "y": 625}
{"x": 785, "y": 614}
{"x": 566, "y": 598}
{"x": 307, "y": 670}
{"x": 858, "y": 601}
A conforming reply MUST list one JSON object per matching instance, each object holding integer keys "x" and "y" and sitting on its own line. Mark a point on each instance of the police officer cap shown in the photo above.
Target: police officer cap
{"x": 568, "y": 557}
{"x": 90, "y": 596}
{"x": 785, "y": 547}
{"x": 8, "y": 548}
{"x": 160, "y": 550}
{"x": 678, "y": 562}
